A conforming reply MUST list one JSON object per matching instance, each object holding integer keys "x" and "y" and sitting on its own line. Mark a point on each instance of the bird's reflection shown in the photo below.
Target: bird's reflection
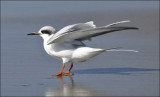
{"x": 71, "y": 89}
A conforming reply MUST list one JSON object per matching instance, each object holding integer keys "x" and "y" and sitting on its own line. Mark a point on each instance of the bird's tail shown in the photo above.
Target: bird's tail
{"x": 119, "y": 49}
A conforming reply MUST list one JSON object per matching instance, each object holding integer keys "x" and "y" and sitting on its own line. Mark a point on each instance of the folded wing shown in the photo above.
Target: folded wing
{"x": 85, "y": 31}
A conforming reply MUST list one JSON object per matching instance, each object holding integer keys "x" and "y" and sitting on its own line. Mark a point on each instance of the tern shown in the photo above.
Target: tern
{"x": 67, "y": 44}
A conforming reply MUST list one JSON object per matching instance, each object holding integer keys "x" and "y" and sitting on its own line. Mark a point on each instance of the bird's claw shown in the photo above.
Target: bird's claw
{"x": 62, "y": 73}
{"x": 59, "y": 74}
{"x": 66, "y": 73}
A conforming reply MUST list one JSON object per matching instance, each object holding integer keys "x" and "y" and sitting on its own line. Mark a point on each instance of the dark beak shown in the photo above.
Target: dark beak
{"x": 34, "y": 33}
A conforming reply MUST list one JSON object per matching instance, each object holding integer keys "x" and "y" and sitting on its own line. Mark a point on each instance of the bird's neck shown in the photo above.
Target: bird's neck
{"x": 47, "y": 47}
{"x": 45, "y": 38}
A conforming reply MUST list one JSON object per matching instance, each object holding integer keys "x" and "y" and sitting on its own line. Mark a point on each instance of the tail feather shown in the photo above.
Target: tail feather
{"x": 118, "y": 49}
{"x": 114, "y": 48}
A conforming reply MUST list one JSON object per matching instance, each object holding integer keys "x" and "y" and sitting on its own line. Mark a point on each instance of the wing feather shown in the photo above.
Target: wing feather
{"x": 84, "y": 34}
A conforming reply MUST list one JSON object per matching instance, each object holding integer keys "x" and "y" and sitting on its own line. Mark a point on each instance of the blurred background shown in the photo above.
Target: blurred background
{"x": 26, "y": 69}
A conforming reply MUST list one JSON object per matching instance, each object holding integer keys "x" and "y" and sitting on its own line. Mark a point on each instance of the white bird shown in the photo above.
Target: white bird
{"x": 66, "y": 44}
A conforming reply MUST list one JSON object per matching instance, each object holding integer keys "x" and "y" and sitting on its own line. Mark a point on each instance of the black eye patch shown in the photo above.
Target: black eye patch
{"x": 46, "y": 32}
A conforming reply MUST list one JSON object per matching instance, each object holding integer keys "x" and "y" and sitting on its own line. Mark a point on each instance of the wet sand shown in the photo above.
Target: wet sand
{"x": 26, "y": 69}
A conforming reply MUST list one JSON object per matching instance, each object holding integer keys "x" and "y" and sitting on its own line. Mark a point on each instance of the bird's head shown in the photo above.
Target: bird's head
{"x": 45, "y": 32}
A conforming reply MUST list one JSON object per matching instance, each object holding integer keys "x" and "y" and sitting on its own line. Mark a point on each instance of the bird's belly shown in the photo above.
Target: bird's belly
{"x": 63, "y": 54}
{"x": 58, "y": 54}
{"x": 85, "y": 53}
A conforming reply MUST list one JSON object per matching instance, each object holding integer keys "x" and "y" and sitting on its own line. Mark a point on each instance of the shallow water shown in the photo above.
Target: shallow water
{"x": 26, "y": 69}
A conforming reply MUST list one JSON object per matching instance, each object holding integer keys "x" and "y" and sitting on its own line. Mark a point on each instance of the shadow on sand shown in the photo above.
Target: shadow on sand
{"x": 119, "y": 71}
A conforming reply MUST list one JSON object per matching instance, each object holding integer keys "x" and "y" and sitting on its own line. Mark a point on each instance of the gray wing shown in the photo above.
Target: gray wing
{"x": 87, "y": 33}
{"x": 75, "y": 27}
{"x": 101, "y": 31}
{"x": 72, "y": 28}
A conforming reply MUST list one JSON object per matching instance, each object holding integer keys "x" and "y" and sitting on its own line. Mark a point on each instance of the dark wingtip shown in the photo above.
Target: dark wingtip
{"x": 132, "y": 28}
{"x": 135, "y": 28}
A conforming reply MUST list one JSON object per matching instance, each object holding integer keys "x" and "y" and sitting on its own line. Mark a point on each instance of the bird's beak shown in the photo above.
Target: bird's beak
{"x": 36, "y": 33}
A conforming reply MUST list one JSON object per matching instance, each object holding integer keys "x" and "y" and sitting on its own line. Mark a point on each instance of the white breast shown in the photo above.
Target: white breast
{"x": 59, "y": 51}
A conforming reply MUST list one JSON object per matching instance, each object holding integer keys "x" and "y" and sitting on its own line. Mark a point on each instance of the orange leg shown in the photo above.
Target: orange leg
{"x": 60, "y": 73}
{"x": 68, "y": 70}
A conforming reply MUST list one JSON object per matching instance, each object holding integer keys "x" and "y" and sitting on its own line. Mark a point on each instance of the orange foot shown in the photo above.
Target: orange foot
{"x": 59, "y": 74}
{"x": 66, "y": 73}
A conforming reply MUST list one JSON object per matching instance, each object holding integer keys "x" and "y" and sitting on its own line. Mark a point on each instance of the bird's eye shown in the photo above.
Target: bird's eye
{"x": 46, "y": 32}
